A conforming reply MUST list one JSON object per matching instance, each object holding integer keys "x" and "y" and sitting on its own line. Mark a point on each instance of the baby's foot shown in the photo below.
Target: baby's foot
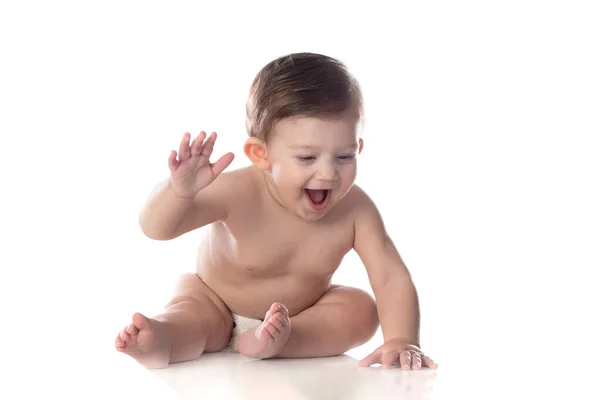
{"x": 146, "y": 340}
{"x": 268, "y": 338}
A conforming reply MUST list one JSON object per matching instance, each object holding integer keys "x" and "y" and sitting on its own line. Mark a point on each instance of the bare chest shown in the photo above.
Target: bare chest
{"x": 280, "y": 246}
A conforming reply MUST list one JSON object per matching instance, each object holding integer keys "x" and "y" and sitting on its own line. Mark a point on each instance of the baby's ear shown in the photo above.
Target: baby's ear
{"x": 360, "y": 145}
{"x": 256, "y": 150}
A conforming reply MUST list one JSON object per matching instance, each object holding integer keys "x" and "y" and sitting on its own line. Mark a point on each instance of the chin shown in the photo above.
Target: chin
{"x": 312, "y": 216}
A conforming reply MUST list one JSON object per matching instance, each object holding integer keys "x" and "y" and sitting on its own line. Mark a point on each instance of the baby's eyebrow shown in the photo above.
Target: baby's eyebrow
{"x": 308, "y": 147}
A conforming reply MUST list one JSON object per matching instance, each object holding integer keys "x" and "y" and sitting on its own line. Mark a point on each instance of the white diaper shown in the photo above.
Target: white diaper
{"x": 241, "y": 325}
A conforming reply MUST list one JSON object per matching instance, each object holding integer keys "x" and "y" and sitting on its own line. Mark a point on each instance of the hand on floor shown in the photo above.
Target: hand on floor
{"x": 398, "y": 352}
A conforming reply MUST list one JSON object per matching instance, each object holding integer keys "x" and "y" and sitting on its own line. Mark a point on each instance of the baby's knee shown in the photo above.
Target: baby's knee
{"x": 365, "y": 310}
{"x": 362, "y": 311}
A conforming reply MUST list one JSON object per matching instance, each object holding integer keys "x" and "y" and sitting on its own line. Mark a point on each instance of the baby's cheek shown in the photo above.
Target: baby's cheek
{"x": 280, "y": 172}
{"x": 276, "y": 173}
{"x": 287, "y": 176}
{"x": 349, "y": 173}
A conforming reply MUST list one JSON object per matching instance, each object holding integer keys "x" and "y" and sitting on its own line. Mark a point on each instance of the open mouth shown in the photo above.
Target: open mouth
{"x": 317, "y": 198}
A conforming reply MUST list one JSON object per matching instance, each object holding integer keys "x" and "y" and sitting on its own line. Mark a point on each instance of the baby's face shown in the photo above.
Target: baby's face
{"x": 313, "y": 163}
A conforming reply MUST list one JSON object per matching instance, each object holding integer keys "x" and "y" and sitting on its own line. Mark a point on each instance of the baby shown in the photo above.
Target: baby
{"x": 276, "y": 232}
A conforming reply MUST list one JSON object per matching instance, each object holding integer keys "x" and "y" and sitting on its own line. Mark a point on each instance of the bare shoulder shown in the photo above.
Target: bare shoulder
{"x": 229, "y": 189}
{"x": 373, "y": 244}
{"x": 236, "y": 181}
{"x": 360, "y": 204}
{"x": 366, "y": 218}
{"x": 239, "y": 185}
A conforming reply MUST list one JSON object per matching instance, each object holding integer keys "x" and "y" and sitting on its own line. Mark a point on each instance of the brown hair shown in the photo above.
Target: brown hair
{"x": 301, "y": 84}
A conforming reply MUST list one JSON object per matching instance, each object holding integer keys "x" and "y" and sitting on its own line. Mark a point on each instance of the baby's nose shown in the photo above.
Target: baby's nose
{"x": 327, "y": 172}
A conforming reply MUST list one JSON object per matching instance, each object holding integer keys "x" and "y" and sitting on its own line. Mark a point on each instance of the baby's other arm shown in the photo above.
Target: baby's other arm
{"x": 396, "y": 296}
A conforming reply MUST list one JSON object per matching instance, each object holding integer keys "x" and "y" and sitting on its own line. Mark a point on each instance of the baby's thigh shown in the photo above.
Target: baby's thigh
{"x": 352, "y": 302}
{"x": 200, "y": 302}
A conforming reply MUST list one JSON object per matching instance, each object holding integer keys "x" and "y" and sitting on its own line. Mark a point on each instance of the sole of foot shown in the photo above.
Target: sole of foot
{"x": 146, "y": 341}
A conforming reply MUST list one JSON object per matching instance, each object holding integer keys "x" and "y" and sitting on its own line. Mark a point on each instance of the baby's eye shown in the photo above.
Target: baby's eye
{"x": 347, "y": 157}
{"x": 305, "y": 158}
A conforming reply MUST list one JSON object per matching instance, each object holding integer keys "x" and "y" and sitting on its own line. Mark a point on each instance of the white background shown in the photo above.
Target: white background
{"x": 481, "y": 150}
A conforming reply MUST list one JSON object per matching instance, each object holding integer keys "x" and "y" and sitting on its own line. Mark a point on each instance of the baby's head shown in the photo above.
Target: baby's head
{"x": 301, "y": 85}
{"x": 304, "y": 114}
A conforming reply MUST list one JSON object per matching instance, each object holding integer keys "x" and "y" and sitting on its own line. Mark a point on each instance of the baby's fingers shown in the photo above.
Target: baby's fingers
{"x": 196, "y": 147}
{"x": 429, "y": 363}
{"x": 208, "y": 146}
{"x": 406, "y": 360}
{"x": 184, "y": 147}
{"x": 416, "y": 361}
{"x": 373, "y": 358}
{"x": 173, "y": 163}
{"x": 389, "y": 359}
{"x": 222, "y": 163}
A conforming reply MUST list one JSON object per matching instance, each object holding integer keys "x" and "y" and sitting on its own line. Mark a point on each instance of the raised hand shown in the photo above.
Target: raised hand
{"x": 191, "y": 169}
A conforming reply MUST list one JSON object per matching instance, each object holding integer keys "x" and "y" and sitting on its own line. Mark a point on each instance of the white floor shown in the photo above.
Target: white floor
{"x": 486, "y": 368}
{"x": 232, "y": 376}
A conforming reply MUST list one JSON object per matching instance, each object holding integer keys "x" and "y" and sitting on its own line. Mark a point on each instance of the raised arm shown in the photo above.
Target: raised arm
{"x": 192, "y": 196}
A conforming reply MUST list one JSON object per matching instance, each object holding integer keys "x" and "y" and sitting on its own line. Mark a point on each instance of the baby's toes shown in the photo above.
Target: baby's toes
{"x": 279, "y": 321}
{"x": 132, "y": 330}
{"x": 271, "y": 329}
{"x": 283, "y": 310}
{"x": 120, "y": 344}
{"x": 125, "y": 336}
{"x": 274, "y": 308}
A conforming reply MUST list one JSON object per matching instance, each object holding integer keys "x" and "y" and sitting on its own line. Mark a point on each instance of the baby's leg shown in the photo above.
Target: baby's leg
{"x": 195, "y": 321}
{"x": 343, "y": 318}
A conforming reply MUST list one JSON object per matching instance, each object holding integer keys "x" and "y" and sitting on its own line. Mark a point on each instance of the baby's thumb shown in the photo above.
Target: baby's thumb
{"x": 222, "y": 163}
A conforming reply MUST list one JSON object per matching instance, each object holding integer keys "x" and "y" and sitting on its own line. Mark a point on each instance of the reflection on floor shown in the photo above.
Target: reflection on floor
{"x": 233, "y": 376}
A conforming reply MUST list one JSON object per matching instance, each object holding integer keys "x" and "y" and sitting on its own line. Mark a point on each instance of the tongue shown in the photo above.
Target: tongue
{"x": 317, "y": 196}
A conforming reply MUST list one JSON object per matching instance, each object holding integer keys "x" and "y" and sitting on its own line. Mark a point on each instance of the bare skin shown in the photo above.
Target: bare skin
{"x": 193, "y": 322}
{"x": 257, "y": 275}
{"x": 266, "y": 254}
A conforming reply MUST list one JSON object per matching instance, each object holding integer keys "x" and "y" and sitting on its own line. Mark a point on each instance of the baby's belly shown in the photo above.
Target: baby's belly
{"x": 252, "y": 297}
